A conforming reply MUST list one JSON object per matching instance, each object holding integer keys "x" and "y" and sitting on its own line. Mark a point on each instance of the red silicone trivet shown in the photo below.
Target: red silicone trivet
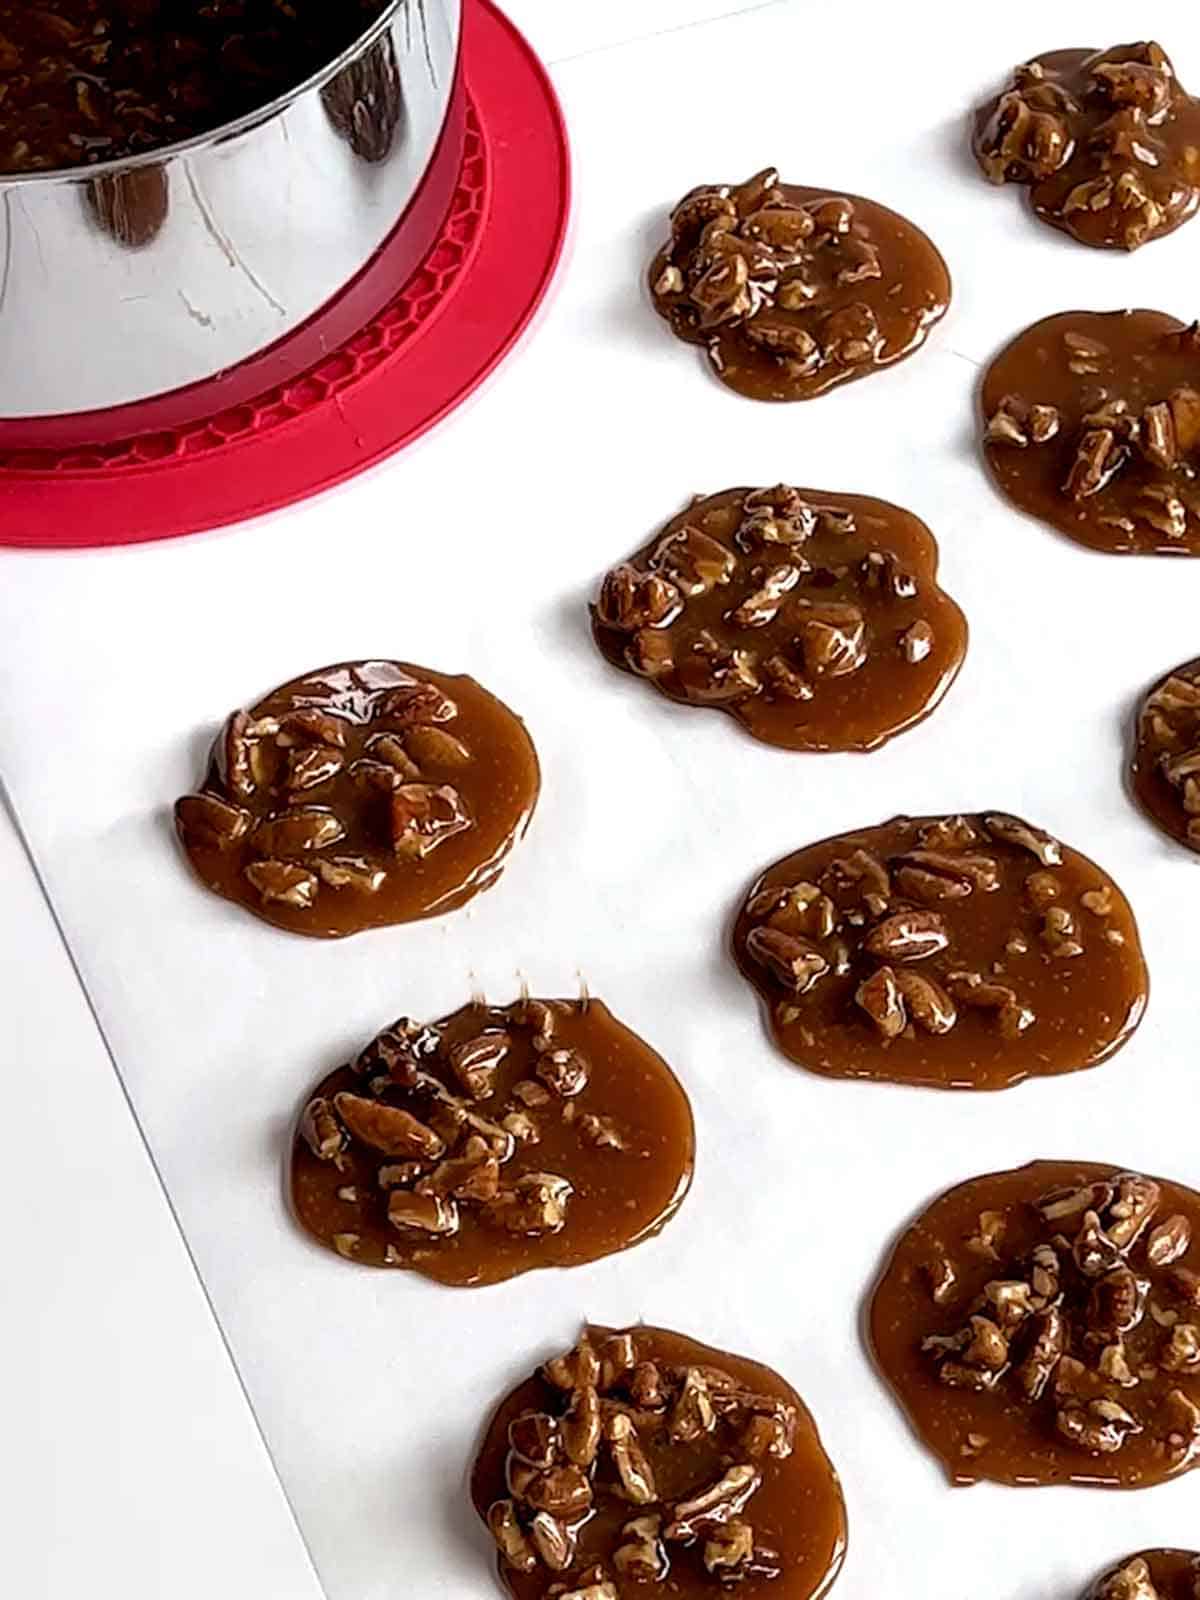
{"x": 452, "y": 322}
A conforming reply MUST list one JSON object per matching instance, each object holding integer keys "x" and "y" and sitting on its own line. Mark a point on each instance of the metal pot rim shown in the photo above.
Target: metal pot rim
{"x": 225, "y": 131}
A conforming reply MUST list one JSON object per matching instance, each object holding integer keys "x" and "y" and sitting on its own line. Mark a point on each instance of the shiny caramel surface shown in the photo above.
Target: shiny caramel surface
{"x": 492, "y": 1142}
{"x": 1107, "y": 141}
{"x": 1038, "y": 1326}
{"x": 814, "y": 619}
{"x": 1091, "y": 422}
{"x": 360, "y": 795}
{"x": 793, "y": 290}
{"x": 659, "y": 1466}
{"x": 960, "y": 952}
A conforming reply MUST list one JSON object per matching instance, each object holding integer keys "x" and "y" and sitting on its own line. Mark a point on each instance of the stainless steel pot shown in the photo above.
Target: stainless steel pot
{"x": 135, "y": 279}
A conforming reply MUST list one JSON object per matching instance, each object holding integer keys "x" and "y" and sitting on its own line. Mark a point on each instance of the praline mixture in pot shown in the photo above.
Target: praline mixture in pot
{"x": 494, "y": 1141}
{"x": 1042, "y": 1326}
{"x": 815, "y": 620}
{"x": 361, "y": 795}
{"x": 793, "y": 290}
{"x": 960, "y": 952}
{"x": 1108, "y": 142}
{"x": 1091, "y": 421}
{"x": 1151, "y": 1575}
{"x": 643, "y": 1462}
{"x": 86, "y": 81}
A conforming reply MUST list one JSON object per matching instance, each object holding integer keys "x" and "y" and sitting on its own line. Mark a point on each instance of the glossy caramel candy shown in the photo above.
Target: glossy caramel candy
{"x": 643, "y": 1462}
{"x": 1042, "y": 1326}
{"x": 1091, "y": 422}
{"x": 361, "y": 795}
{"x": 497, "y": 1140}
{"x": 958, "y": 952}
{"x": 815, "y": 620}
{"x": 1107, "y": 142}
{"x": 792, "y": 291}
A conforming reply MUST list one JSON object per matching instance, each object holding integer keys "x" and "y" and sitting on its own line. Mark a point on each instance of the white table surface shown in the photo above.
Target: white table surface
{"x": 127, "y": 1439}
{"x": 130, "y": 1461}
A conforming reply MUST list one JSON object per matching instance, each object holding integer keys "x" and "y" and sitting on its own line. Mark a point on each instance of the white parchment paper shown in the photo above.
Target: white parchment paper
{"x": 476, "y": 551}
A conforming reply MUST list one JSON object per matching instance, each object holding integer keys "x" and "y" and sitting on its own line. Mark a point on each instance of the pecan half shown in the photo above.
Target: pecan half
{"x": 907, "y": 936}
{"x": 389, "y": 1129}
{"x": 210, "y": 823}
{"x": 797, "y": 963}
{"x": 300, "y": 829}
{"x": 632, "y": 1465}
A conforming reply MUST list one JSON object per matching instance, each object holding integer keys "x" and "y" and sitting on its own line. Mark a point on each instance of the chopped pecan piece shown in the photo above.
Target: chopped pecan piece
{"x": 553, "y": 1540}
{"x": 415, "y": 703}
{"x": 729, "y": 1549}
{"x": 879, "y": 996}
{"x": 641, "y": 1556}
{"x": 1018, "y": 422}
{"x": 509, "y": 1537}
{"x": 762, "y": 605}
{"x": 349, "y": 872}
{"x": 1047, "y": 1341}
{"x": 423, "y": 817}
{"x": 1181, "y": 1353}
{"x": 564, "y": 1072}
{"x": 581, "y": 1429}
{"x": 1011, "y": 830}
{"x": 714, "y": 1506}
{"x": 630, "y": 599}
{"x": 312, "y": 765}
{"x": 321, "y": 1131}
{"x": 1115, "y": 1304}
{"x": 474, "y": 1175}
{"x": 693, "y": 1415}
{"x": 562, "y": 1491}
{"x": 630, "y": 1460}
{"x": 386, "y": 750}
{"x": 1169, "y": 1241}
{"x": 1099, "y": 1426}
{"x": 1012, "y": 1018}
{"x": 434, "y": 747}
{"x": 713, "y": 674}
{"x": 534, "y": 1437}
{"x": 436, "y": 1215}
{"x": 832, "y": 638}
{"x": 210, "y": 823}
{"x": 1130, "y": 1582}
{"x": 1132, "y": 1208}
{"x": 692, "y": 562}
{"x": 474, "y": 1062}
{"x": 283, "y": 883}
{"x": 535, "y": 1205}
{"x": 926, "y": 1002}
